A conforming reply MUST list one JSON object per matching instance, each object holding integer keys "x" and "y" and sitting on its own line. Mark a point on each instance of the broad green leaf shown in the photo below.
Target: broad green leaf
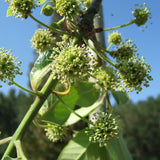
{"x": 83, "y": 111}
{"x": 118, "y": 149}
{"x": 40, "y": 69}
{"x": 94, "y": 152}
{"x": 79, "y": 148}
{"x": 121, "y": 97}
{"x": 88, "y": 94}
{"x": 76, "y": 147}
{"x": 59, "y": 114}
{"x": 9, "y": 12}
{"x": 41, "y": 1}
{"x": 51, "y": 102}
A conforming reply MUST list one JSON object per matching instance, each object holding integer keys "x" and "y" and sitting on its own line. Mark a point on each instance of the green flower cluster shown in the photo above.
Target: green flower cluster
{"x": 42, "y": 40}
{"x": 104, "y": 129}
{"x": 48, "y": 10}
{"x": 115, "y": 38}
{"x": 141, "y": 15}
{"x": 124, "y": 51}
{"x": 22, "y": 7}
{"x": 134, "y": 73}
{"x": 8, "y": 66}
{"x": 72, "y": 63}
{"x": 55, "y": 132}
{"x": 69, "y": 8}
{"x": 106, "y": 79}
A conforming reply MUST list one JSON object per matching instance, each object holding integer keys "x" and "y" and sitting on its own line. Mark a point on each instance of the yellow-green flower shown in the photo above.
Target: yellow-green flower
{"x": 124, "y": 51}
{"x": 106, "y": 79}
{"x": 9, "y": 68}
{"x": 55, "y": 132}
{"x": 42, "y": 40}
{"x": 71, "y": 63}
{"x": 69, "y": 8}
{"x": 115, "y": 38}
{"x": 21, "y": 7}
{"x": 134, "y": 73}
{"x": 104, "y": 129}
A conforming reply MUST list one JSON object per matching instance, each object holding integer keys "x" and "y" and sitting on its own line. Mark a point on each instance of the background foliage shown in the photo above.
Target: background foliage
{"x": 140, "y": 125}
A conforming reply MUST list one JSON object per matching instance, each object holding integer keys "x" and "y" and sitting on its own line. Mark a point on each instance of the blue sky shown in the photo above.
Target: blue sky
{"x": 16, "y": 34}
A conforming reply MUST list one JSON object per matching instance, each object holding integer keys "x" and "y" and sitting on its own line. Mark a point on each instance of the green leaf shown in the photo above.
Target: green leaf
{"x": 83, "y": 111}
{"x": 59, "y": 114}
{"x": 9, "y": 158}
{"x": 41, "y": 1}
{"x": 40, "y": 70}
{"x": 9, "y": 12}
{"x": 75, "y": 148}
{"x": 94, "y": 152}
{"x": 51, "y": 102}
{"x": 118, "y": 149}
{"x": 88, "y": 94}
{"x": 121, "y": 97}
{"x": 79, "y": 148}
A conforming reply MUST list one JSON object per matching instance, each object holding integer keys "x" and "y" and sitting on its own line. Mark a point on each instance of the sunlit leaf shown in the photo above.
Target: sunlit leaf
{"x": 59, "y": 114}
{"x": 83, "y": 111}
{"x": 75, "y": 148}
{"x": 79, "y": 148}
{"x": 50, "y": 102}
{"x": 88, "y": 94}
{"x": 9, "y": 12}
{"x": 38, "y": 74}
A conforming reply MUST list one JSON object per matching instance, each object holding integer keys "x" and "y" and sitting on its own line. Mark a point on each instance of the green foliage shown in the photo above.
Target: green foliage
{"x": 9, "y": 158}
{"x": 121, "y": 97}
{"x": 84, "y": 112}
{"x": 40, "y": 69}
{"x": 59, "y": 113}
{"x": 76, "y": 147}
{"x": 88, "y": 94}
{"x": 13, "y": 108}
{"x": 118, "y": 149}
{"x": 140, "y": 127}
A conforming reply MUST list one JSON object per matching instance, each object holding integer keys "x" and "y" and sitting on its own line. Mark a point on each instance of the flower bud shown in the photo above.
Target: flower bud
{"x": 115, "y": 38}
{"x": 48, "y": 10}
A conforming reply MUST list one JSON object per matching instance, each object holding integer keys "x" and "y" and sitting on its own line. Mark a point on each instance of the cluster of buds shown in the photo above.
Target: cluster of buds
{"x": 134, "y": 73}
{"x": 69, "y": 8}
{"x": 42, "y": 40}
{"x": 115, "y": 38}
{"x": 8, "y": 66}
{"x": 104, "y": 129}
{"x": 72, "y": 62}
{"x": 22, "y": 8}
{"x": 141, "y": 15}
{"x": 55, "y": 132}
{"x": 124, "y": 51}
{"x": 106, "y": 79}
